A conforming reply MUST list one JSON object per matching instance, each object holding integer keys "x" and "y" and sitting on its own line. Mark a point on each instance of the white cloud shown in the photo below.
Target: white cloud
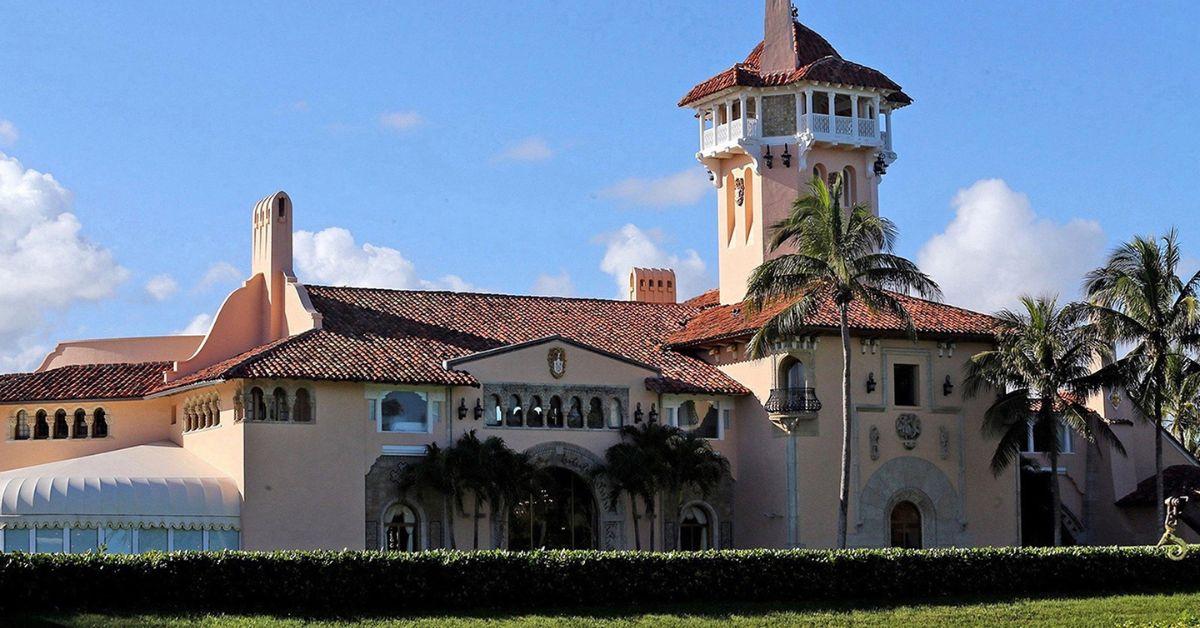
{"x": 681, "y": 188}
{"x": 630, "y": 247}
{"x": 559, "y": 285}
{"x": 400, "y": 120}
{"x": 161, "y": 287}
{"x": 220, "y": 273}
{"x": 46, "y": 265}
{"x": 8, "y": 132}
{"x": 996, "y": 249}
{"x": 529, "y": 149}
{"x": 199, "y": 326}
{"x": 332, "y": 257}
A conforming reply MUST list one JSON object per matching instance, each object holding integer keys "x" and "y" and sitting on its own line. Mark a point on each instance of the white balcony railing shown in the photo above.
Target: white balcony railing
{"x": 824, "y": 127}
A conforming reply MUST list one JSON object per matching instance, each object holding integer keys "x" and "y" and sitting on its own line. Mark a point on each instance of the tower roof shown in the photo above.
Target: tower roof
{"x": 816, "y": 60}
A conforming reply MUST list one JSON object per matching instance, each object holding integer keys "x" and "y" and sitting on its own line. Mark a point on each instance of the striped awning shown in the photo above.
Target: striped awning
{"x": 160, "y": 484}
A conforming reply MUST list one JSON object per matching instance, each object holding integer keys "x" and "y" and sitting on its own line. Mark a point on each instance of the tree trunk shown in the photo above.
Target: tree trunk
{"x": 1159, "y": 497}
{"x": 844, "y": 494}
{"x": 475, "y": 522}
{"x": 651, "y": 517}
{"x": 448, "y": 517}
{"x": 1056, "y": 506}
{"x": 1091, "y": 472}
{"x": 637, "y": 532}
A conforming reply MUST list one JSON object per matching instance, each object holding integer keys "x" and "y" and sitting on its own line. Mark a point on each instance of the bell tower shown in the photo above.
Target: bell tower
{"x": 271, "y": 256}
{"x": 794, "y": 109}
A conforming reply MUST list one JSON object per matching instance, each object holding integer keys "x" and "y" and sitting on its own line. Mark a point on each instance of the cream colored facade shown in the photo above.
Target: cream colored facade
{"x": 322, "y": 477}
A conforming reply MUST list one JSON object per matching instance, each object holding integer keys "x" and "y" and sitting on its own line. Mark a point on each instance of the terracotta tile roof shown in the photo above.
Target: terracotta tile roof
{"x": 401, "y": 336}
{"x": 1180, "y": 479}
{"x": 705, "y": 300}
{"x": 929, "y": 318}
{"x": 816, "y": 60}
{"x": 88, "y": 381}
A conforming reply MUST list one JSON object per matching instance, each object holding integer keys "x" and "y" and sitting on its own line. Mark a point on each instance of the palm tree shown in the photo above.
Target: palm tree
{"x": 652, "y": 441}
{"x": 514, "y": 475}
{"x": 1181, "y": 401}
{"x": 843, "y": 253}
{"x": 626, "y": 472}
{"x": 473, "y": 462}
{"x": 1137, "y": 298}
{"x": 432, "y": 472}
{"x": 1041, "y": 370}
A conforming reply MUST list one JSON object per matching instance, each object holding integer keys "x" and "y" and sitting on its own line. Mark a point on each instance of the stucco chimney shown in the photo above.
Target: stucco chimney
{"x": 779, "y": 38}
{"x": 652, "y": 285}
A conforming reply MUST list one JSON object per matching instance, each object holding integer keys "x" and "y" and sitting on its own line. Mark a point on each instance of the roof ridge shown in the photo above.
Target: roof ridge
{"x": 493, "y": 294}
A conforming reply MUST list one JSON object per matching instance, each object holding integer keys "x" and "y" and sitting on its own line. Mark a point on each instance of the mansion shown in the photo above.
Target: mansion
{"x": 283, "y": 427}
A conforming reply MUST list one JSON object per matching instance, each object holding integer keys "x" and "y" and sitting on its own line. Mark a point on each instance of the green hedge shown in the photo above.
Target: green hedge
{"x": 371, "y": 582}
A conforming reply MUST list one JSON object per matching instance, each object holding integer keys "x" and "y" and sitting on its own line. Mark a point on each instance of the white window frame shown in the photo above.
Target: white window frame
{"x": 1065, "y": 437}
{"x": 434, "y": 398}
{"x": 102, "y": 539}
{"x": 672, "y": 403}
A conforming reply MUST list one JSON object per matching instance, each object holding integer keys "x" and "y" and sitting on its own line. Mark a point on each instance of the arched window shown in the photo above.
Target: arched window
{"x": 400, "y": 529}
{"x": 21, "y": 431}
{"x": 616, "y": 414}
{"x": 279, "y": 405}
{"x": 516, "y": 413}
{"x": 302, "y": 413}
{"x": 575, "y": 414}
{"x": 41, "y": 427}
{"x": 595, "y": 415}
{"x": 535, "y": 416}
{"x": 699, "y": 418}
{"x": 730, "y": 207}
{"x": 819, "y": 172}
{"x": 695, "y": 529}
{"x": 748, "y": 201}
{"x": 556, "y": 413}
{"x": 497, "y": 411}
{"x": 99, "y": 423}
{"x": 906, "y": 525}
{"x": 257, "y": 410}
{"x": 849, "y": 187}
{"x": 792, "y": 374}
{"x": 79, "y": 427}
{"x": 61, "y": 429}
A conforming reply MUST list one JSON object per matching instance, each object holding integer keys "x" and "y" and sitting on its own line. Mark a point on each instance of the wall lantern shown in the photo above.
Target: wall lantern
{"x": 880, "y": 165}
{"x": 947, "y": 387}
{"x": 871, "y": 382}
{"x": 768, "y": 158}
{"x": 638, "y": 414}
{"x": 462, "y": 408}
{"x": 787, "y": 157}
{"x": 478, "y": 409}
{"x": 711, "y": 177}
{"x": 653, "y": 414}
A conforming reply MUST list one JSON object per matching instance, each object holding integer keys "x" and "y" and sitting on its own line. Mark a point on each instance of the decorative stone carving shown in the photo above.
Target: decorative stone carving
{"x": 670, "y": 536}
{"x": 556, "y": 359}
{"x": 739, "y": 188}
{"x": 725, "y": 538}
{"x": 944, "y": 442}
{"x": 873, "y": 436}
{"x": 614, "y": 534}
{"x": 908, "y": 428}
{"x": 916, "y": 480}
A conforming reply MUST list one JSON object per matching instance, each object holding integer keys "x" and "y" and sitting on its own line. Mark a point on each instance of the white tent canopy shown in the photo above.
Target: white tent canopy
{"x": 155, "y": 485}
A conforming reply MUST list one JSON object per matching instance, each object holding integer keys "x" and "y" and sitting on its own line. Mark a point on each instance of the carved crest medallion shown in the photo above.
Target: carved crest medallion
{"x": 557, "y": 361}
{"x": 908, "y": 428}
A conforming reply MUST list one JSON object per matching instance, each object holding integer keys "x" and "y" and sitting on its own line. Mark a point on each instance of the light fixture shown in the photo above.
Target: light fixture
{"x": 871, "y": 382}
{"x": 880, "y": 165}
{"x": 787, "y": 157}
{"x": 653, "y": 414}
{"x": 478, "y": 409}
{"x": 638, "y": 414}
{"x": 768, "y": 158}
{"x": 947, "y": 387}
{"x": 462, "y": 408}
{"x": 711, "y": 177}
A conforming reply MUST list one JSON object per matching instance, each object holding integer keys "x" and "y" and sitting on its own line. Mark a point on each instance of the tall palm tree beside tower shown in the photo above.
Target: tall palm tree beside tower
{"x": 843, "y": 253}
{"x": 1041, "y": 370}
{"x": 1137, "y": 298}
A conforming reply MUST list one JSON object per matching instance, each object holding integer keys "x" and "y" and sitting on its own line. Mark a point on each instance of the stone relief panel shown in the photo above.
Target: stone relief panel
{"x": 916, "y": 480}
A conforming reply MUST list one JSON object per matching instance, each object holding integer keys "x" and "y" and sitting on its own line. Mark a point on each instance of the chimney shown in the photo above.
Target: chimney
{"x": 652, "y": 285}
{"x": 779, "y": 38}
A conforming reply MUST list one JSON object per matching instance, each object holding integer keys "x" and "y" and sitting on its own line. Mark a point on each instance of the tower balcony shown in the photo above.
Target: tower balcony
{"x": 733, "y": 137}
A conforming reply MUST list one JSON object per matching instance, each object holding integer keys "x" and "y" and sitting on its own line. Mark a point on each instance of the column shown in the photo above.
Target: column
{"x": 800, "y": 123}
{"x": 854, "y": 115}
{"x": 808, "y": 108}
{"x": 742, "y": 104}
{"x": 700, "y": 117}
{"x": 888, "y": 116}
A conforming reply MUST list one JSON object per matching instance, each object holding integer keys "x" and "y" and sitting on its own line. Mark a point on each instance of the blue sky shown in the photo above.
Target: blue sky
{"x": 531, "y": 146}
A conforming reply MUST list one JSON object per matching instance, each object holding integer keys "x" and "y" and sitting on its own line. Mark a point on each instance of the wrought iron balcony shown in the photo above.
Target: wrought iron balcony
{"x": 793, "y": 401}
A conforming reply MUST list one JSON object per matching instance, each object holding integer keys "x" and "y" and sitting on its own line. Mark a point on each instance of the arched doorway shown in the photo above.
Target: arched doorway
{"x": 695, "y": 528}
{"x": 561, "y": 514}
{"x": 906, "y": 525}
{"x": 401, "y": 529}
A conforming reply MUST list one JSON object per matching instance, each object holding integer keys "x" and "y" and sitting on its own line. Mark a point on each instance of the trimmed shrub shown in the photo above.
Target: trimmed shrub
{"x": 372, "y": 582}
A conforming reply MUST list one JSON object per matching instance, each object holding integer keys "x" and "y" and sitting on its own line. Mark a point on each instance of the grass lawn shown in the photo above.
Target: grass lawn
{"x": 1130, "y": 610}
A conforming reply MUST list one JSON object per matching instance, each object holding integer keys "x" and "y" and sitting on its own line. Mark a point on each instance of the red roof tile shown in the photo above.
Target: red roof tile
{"x": 929, "y": 318}
{"x": 816, "y": 60}
{"x": 400, "y": 336}
{"x": 88, "y": 381}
